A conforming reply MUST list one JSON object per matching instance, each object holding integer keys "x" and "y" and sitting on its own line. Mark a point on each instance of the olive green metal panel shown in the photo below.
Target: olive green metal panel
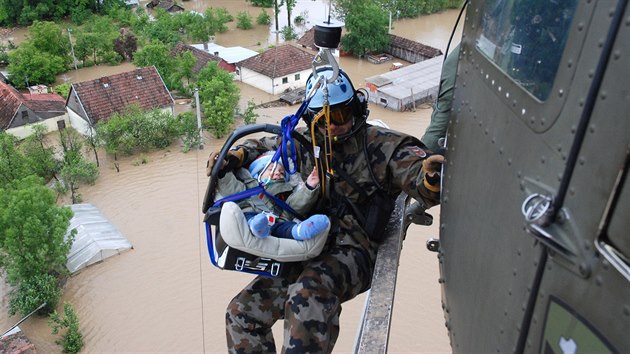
{"x": 594, "y": 217}
{"x": 507, "y": 146}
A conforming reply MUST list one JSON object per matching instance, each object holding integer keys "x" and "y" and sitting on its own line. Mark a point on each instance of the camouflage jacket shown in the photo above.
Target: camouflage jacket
{"x": 396, "y": 161}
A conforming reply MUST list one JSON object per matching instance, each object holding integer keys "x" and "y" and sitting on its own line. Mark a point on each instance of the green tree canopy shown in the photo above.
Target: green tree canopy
{"x": 40, "y": 157}
{"x": 33, "y": 251}
{"x": 367, "y": 26}
{"x": 219, "y": 96}
{"x": 134, "y": 129}
{"x": 244, "y": 20}
{"x": 43, "y": 55}
{"x": 262, "y": 3}
{"x": 13, "y": 164}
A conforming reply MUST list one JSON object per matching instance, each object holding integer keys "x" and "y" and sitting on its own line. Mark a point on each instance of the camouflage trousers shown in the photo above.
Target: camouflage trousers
{"x": 309, "y": 302}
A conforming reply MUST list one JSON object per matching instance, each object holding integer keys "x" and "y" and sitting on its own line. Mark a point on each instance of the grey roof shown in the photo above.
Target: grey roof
{"x": 95, "y": 240}
{"x": 418, "y": 78}
{"x": 230, "y": 55}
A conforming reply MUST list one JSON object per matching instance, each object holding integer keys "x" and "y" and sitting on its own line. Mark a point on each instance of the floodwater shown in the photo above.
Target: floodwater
{"x": 164, "y": 295}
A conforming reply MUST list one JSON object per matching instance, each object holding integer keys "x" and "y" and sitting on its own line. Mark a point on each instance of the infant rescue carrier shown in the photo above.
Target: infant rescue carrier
{"x": 238, "y": 249}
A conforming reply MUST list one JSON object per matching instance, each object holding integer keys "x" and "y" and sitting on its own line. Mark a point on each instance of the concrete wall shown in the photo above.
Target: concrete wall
{"x": 23, "y": 131}
{"x": 275, "y": 86}
{"x": 78, "y": 123}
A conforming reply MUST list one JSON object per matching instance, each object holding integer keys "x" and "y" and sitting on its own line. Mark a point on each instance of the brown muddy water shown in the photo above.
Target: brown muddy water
{"x": 164, "y": 295}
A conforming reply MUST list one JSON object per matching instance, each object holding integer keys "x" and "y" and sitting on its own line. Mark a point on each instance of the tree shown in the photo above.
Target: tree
{"x": 183, "y": 66}
{"x": 250, "y": 116}
{"x": 262, "y": 3}
{"x": 28, "y": 66}
{"x": 41, "y": 158}
{"x": 276, "y": 11}
{"x": 13, "y": 165}
{"x": 126, "y": 45}
{"x": 158, "y": 54}
{"x": 290, "y": 5}
{"x": 191, "y": 137}
{"x": 288, "y": 33}
{"x": 41, "y": 57}
{"x": 244, "y": 20}
{"x": 33, "y": 249}
{"x": 367, "y": 25}
{"x": 263, "y": 18}
{"x": 96, "y": 38}
{"x": 164, "y": 29}
{"x": 75, "y": 169}
{"x": 72, "y": 340}
{"x": 135, "y": 129}
{"x": 62, "y": 90}
{"x": 48, "y": 37}
{"x": 220, "y": 98}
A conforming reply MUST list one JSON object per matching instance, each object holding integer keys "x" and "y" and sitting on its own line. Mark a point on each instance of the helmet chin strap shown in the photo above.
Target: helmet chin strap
{"x": 356, "y": 127}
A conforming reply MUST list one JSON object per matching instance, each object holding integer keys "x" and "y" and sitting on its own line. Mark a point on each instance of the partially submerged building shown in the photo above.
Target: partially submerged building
{"x": 20, "y": 111}
{"x": 202, "y": 57}
{"x": 95, "y": 240}
{"x": 403, "y": 89}
{"x": 230, "y": 55}
{"x": 277, "y": 70}
{"x": 91, "y": 101}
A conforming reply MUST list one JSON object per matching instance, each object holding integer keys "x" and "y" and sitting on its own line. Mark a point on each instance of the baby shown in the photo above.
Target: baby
{"x": 263, "y": 215}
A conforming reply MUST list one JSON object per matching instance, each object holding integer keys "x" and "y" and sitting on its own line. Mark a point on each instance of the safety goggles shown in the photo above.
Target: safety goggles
{"x": 338, "y": 116}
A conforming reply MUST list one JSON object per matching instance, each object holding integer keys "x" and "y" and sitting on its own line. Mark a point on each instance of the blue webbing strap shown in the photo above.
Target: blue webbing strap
{"x": 287, "y": 147}
{"x": 288, "y": 125}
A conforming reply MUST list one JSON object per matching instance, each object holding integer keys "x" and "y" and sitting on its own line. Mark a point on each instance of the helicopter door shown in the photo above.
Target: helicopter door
{"x": 534, "y": 246}
{"x": 583, "y": 302}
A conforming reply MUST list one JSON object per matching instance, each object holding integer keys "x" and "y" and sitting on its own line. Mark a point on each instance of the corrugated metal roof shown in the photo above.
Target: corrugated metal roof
{"x": 95, "y": 240}
{"x": 230, "y": 55}
{"x": 418, "y": 78}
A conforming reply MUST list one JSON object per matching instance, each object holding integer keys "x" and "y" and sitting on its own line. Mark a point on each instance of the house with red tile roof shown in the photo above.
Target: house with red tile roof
{"x": 277, "y": 69}
{"x": 20, "y": 111}
{"x": 92, "y": 101}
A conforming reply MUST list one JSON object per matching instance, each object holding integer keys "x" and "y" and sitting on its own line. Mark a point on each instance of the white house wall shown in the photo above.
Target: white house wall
{"x": 24, "y": 131}
{"x": 78, "y": 123}
{"x": 82, "y": 126}
{"x": 276, "y": 86}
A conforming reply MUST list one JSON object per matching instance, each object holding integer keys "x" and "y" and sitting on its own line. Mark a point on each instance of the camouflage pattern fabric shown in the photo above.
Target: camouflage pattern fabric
{"x": 310, "y": 305}
{"x": 310, "y": 302}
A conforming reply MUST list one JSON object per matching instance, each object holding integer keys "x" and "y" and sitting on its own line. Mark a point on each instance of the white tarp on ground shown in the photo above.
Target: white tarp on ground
{"x": 95, "y": 240}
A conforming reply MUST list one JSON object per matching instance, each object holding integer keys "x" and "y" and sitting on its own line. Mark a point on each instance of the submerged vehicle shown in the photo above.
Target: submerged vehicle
{"x": 534, "y": 243}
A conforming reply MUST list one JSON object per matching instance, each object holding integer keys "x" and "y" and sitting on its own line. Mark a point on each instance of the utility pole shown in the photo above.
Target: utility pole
{"x": 198, "y": 118}
{"x": 72, "y": 48}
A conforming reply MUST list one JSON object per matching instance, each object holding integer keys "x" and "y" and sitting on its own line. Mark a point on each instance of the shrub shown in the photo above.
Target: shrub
{"x": 263, "y": 18}
{"x": 244, "y": 20}
{"x": 72, "y": 340}
{"x": 249, "y": 117}
{"x": 288, "y": 33}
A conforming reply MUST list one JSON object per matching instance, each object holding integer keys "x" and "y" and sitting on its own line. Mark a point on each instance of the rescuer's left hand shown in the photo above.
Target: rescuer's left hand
{"x": 432, "y": 166}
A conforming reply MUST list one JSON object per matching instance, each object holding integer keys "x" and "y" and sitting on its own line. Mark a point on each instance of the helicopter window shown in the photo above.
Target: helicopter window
{"x": 526, "y": 38}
